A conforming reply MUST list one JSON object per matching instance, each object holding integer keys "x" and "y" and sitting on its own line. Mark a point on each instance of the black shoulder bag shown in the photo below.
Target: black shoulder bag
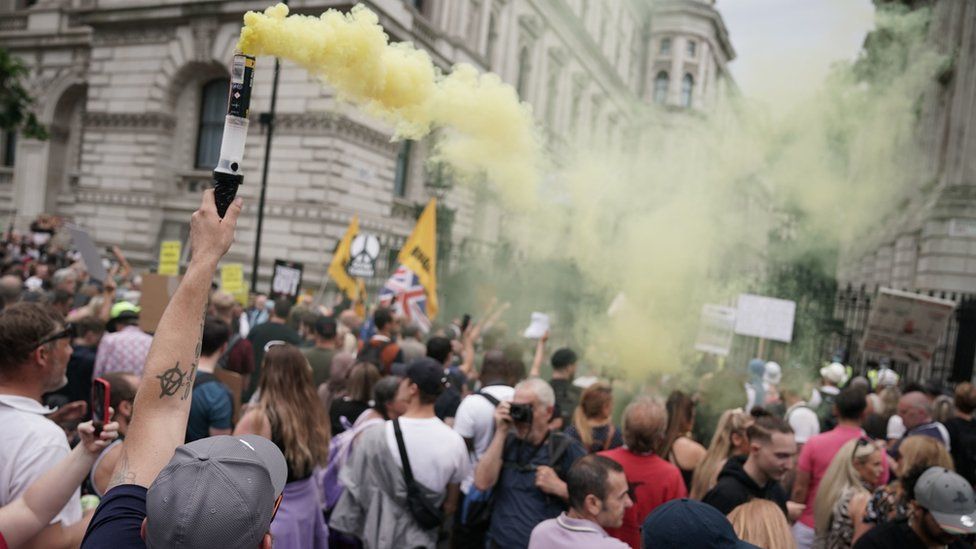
{"x": 424, "y": 512}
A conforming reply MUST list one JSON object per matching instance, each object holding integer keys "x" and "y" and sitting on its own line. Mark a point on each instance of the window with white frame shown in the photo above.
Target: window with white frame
{"x": 661, "y": 83}
{"x": 213, "y": 109}
{"x": 687, "y": 89}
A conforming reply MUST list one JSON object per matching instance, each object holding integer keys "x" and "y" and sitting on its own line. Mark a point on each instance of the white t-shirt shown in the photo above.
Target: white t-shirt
{"x": 896, "y": 427}
{"x": 803, "y": 421}
{"x": 475, "y": 419}
{"x": 438, "y": 455}
{"x": 30, "y": 446}
{"x": 475, "y": 416}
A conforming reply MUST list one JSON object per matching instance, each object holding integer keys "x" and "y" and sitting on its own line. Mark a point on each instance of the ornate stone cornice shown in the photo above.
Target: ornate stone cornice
{"x": 140, "y": 35}
{"x": 324, "y": 123}
{"x": 128, "y": 199}
{"x": 124, "y": 121}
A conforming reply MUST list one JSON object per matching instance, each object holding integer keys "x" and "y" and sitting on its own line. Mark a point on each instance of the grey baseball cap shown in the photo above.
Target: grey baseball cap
{"x": 949, "y": 498}
{"x": 216, "y": 492}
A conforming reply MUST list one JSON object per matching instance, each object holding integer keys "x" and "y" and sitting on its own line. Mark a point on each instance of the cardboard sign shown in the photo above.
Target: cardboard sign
{"x": 169, "y": 257}
{"x": 287, "y": 280}
{"x": 363, "y": 253}
{"x": 93, "y": 260}
{"x": 716, "y": 330}
{"x": 765, "y": 317}
{"x": 232, "y": 281}
{"x": 906, "y": 326}
{"x": 157, "y": 290}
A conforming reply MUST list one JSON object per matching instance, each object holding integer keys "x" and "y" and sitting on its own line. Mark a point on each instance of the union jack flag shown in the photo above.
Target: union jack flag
{"x": 408, "y": 296}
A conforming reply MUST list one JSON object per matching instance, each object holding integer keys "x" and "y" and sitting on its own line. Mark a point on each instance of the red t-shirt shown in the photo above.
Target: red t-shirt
{"x": 652, "y": 482}
{"x": 3, "y": 542}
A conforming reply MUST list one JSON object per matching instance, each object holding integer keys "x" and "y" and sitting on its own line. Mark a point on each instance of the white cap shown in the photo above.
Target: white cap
{"x": 773, "y": 373}
{"x": 834, "y": 372}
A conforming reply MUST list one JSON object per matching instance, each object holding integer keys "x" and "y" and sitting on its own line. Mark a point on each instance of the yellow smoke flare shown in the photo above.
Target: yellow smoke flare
{"x": 487, "y": 131}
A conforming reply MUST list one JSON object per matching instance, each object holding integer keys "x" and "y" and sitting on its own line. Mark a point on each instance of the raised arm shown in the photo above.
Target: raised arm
{"x": 27, "y": 515}
{"x": 540, "y": 355}
{"x": 490, "y": 465}
{"x": 162, "y": 404}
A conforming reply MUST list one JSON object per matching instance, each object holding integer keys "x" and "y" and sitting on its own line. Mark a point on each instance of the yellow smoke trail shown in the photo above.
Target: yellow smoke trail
{"x": 486, "y": 129}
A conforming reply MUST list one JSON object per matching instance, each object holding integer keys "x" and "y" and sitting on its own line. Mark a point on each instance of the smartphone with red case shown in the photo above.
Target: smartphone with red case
{"x": 100, "y": 403}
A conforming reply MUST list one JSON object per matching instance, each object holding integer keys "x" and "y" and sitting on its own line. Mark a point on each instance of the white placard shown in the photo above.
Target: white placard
{"x": 538, "y": 327}
{"x": 765, "y": 317}
{"x": 716, "y": 330}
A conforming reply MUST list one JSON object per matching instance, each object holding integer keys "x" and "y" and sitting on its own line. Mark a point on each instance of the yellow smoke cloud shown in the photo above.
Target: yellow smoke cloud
{"x": 486, "y": 130}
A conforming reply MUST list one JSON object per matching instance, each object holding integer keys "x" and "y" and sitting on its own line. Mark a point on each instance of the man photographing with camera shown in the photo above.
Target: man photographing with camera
{"x": 525, "y": 465}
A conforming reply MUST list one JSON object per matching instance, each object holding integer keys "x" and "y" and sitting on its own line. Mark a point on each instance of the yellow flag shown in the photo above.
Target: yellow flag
{"x": 169, "y": 258}
{"x": 337, "y": 269}
{"x": 419, "y": 254}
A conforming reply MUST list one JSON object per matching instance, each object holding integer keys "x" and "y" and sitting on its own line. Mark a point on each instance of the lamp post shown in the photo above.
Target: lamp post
{"x": 267, "y": 119}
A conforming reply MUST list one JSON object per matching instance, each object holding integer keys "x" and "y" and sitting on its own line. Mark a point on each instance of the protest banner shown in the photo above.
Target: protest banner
{"x": 765, "y": 317}
{"x": 157, "y": 290}
{"x": 286, "y": 282}
{"x": 232, "y": 281}
{"x": 716, "y": 329}
{"x": 169, "y": 257}
{"x": 85, "y": 246}
{"x": 906, "y": 327}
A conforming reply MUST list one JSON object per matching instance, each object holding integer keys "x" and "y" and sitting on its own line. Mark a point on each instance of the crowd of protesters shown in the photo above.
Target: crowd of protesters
{"x": 300, "y": 426}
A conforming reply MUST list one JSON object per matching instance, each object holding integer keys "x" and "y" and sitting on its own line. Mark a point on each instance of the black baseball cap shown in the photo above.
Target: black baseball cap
{"x": 427, "y": 373}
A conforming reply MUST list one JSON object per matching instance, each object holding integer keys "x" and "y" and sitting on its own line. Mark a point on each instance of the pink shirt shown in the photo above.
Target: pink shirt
{"x": 124, "y": 351}
{"x": 816, "y": 456}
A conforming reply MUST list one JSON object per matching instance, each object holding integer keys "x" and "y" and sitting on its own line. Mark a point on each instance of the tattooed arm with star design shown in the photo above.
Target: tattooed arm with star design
{"x": 162, "y": 403}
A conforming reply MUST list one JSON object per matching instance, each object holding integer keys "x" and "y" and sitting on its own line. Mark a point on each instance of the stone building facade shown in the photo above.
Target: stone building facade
{"x": 930, "y": 243}
{"x": 133, "y": 93}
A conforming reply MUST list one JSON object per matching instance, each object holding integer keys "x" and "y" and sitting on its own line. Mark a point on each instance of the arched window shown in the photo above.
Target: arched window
{"x": 551, "y": 97}
{"x": 402, "y": 169}
{"x": 665, "y": 48}
{"x": 687, "y": 87}
{"x": 522, "y": 82}
{"x": 492, "y": 38}
{"x": 213, "y": 109}
{"x": 661, "y": 83}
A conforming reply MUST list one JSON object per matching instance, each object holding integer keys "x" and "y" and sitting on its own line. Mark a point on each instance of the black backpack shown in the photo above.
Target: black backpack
{"x": 825, "y": 411}
{"x": 372, "y": 354}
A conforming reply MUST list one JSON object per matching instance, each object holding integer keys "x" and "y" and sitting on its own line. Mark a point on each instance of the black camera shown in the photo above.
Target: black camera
{"x": 521, "y": 413}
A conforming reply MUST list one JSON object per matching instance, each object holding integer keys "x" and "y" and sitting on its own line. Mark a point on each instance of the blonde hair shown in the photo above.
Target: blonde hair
{"x": 920, "y": 450}
{"x": 761, "y": 523}
{"x": 719, "y": 450}
{"x": 593, "y": 402}
{"x": 840, "y": 476}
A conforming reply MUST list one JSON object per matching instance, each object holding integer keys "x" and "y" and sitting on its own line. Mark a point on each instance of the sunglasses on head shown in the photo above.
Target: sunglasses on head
{"x": 69, "y": 331}
{"x": 863, "y": 441}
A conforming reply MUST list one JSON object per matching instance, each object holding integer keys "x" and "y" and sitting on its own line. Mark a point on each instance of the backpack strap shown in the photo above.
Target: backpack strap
{"x": 558, "y": 444}
{"x": 225, "y": 356}
{"x": 407, "y": 472}
{"x": 494, "y": 401}
{"x": 203, "y": 378}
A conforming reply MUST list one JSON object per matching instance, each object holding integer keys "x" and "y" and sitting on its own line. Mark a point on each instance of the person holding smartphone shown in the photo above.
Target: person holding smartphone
{"x": 26, "y": 516}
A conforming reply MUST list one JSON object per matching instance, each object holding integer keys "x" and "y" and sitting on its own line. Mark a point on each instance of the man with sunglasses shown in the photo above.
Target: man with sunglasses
{"x": 942, "y": 511}
{"x": 35, "y": 346}
{"x": 216, "y": 492}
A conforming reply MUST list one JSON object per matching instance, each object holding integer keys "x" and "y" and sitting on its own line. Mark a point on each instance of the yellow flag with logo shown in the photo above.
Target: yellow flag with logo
{"x": 419, "y": 254}
{"x": 337, "y": 269}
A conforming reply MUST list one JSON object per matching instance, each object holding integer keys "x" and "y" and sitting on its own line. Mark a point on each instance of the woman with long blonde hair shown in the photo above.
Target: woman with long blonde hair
{"x": 890, "y": 503}
{"x": 762, "y": 523}
{"x": 851, "y": 478}
{"x": 591, "y": 425}
{"x": 290, "y": 414}
{"x": 729, "y": 439}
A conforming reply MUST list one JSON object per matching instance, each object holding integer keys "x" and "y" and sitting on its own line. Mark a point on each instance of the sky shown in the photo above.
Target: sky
{"x": 784, "y": 48}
